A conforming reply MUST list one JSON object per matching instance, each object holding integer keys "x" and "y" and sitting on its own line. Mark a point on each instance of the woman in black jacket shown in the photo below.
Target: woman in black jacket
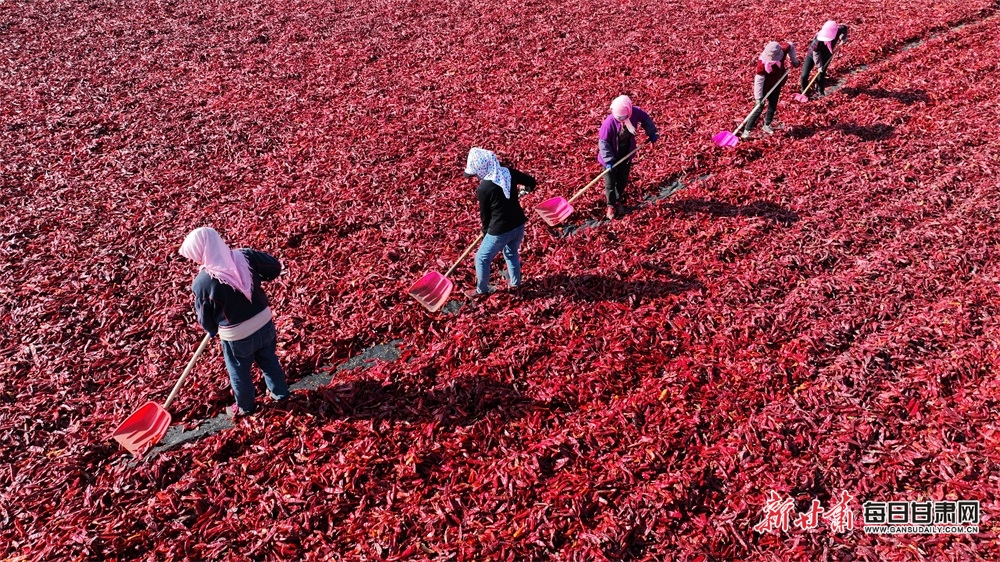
{"x": 231, "y": 304}
{"x": 820, "y": 52}
{"x": 501, "y": 214}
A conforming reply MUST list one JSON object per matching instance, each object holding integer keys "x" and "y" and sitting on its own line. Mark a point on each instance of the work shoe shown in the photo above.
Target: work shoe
{"x": 767, "y": 129}
{"x": 476, "y": 295}
{"x": 234, "y": 411}
{"x": 277, "y": 398}
{"x": 610, "y": 212}
{"x": 745, "y": 135}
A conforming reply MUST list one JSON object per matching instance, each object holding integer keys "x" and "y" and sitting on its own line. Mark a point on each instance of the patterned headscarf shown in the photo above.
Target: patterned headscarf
{"x": 484, "y": 165}
{"x": 205, "y": 246}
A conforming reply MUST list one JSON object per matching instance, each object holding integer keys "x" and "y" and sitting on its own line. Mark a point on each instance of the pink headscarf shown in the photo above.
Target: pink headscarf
{"x": 205, "y": 246}
{"x": 621, "y": 107}
{"x": 772, "y": 56}
{"x": 828, "y": 33}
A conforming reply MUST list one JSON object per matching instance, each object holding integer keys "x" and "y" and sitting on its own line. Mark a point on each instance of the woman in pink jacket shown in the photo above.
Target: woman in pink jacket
{"x": 772, "y": 65}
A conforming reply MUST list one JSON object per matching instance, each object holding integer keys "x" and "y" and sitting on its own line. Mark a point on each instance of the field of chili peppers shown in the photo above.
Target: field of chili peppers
{"x": 813, "y": 312}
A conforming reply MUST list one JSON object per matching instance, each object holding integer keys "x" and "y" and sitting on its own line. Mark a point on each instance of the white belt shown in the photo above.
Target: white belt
{"x": 247, "y": 328}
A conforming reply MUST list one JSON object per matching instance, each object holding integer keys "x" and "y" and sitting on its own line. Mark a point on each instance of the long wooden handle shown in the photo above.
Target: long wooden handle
{"x": 815, "y": 76}
{"x": 761, "y": 102}
{"x": 187, "y": 371}
{"x": 606, "y": 170}
{"x": 465, "y": 253}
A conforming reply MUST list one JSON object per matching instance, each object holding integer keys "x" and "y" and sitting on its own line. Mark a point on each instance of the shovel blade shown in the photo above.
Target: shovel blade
{"x": 432, "y": 290}
{"x": 554, "y": 211}
{"x": 801, "y": 98}
{"x": 725, "y": 139}
{"x": 143, "y": 429}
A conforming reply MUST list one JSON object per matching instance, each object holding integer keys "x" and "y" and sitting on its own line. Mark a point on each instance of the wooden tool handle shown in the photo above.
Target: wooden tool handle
{"x": 761, "y": 102}
{"x": 465, "y": 253}
{"x": 606, "y": 170}
{"x": 815, "y": 76}
{"x": 813, "y": 81}
{"x": 187, "y": 371}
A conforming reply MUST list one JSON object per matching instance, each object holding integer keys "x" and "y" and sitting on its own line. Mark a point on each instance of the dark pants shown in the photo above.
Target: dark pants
{"x": 615, "y": 181}
{"x": 772, "y": 106}
{"x": 807, "y": 67}
{"x": 240, "y": 355}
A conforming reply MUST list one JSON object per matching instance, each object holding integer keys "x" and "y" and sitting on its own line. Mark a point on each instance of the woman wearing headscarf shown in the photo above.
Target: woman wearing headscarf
{"x": 616, "y": 139}
{"x": 771, "y": 67}
{"x": 820, "y": 52}
{"x": 230, "y": 303}
{"x": 501, "y": 216}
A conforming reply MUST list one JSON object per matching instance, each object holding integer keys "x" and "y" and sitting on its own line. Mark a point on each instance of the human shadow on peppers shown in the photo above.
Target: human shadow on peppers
{"x": 603, "y": 288}
{"x": 458, "y": 403}
{"x": 904, "y": 97}
{"x": 799, "y": 132}
{"x": 876, "y": 132}
{"x": 760, "y": 208}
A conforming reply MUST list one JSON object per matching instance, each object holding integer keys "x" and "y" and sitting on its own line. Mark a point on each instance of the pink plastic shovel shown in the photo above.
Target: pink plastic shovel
{"x": 148, "y": 424}
{"x": 433, "y": 289}
{"x": 554, "y": 211}
{"x": 726, "y": 139}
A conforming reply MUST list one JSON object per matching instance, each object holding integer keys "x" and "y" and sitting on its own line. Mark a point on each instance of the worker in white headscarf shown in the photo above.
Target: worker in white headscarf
{"x": 501, "y": 216}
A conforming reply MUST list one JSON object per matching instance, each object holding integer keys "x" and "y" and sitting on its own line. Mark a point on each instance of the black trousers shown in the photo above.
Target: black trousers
{"x": 772, "y": 106}
{"x": 615, "y": 181}
{"x": 807, "y": 67}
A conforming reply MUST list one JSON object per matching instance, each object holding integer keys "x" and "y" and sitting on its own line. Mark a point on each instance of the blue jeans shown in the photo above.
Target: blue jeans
{"x": 508, "y": 242}
{"x": 241, "y": 355}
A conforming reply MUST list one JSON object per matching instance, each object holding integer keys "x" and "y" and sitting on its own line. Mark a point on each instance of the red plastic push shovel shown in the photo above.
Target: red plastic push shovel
{"x": 148, "y": 424}
{"x": 726, "y": 139}
{"x": 554, "y": 211}
{"x": 433, "y": 289}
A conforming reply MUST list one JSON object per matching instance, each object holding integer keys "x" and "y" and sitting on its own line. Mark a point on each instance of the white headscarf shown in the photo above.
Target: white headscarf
{"x": 484, "y": 165}
{"x": 205, "y": 246}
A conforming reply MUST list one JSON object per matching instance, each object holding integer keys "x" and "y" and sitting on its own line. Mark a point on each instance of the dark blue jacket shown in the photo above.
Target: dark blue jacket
{"x": 219, "y": 304}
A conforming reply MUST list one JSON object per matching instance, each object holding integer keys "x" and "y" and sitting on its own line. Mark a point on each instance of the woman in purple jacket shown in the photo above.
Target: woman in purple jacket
{"x": 769, "y": 77}
{"x": 617, "y": 139}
